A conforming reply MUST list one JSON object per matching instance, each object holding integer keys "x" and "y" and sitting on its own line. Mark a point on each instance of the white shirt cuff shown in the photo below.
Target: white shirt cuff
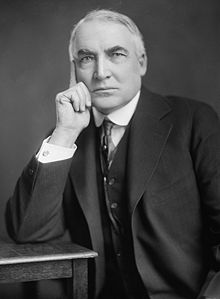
{"x": 53, "y": 153}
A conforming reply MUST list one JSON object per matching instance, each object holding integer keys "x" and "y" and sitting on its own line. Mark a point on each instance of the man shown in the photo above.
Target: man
{"x": 142, "y": 185}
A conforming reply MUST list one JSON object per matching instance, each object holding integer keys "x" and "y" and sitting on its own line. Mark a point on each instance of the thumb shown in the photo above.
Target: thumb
{"x": 72, "y": 74}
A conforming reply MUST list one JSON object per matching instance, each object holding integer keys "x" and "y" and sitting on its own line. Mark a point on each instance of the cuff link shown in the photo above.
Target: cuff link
{"x": 46, "y": 153}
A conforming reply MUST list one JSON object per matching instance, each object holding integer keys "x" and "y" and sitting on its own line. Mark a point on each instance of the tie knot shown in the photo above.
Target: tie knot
{"x": 107, "y": 126}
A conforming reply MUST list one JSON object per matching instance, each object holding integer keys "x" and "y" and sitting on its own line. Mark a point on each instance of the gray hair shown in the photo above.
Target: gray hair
{"x": 110, "y": 16}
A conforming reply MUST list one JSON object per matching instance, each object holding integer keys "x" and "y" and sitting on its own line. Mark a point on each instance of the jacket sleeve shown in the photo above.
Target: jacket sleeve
{"x": 34, "y": 213}
{"x": 206, "y": 156}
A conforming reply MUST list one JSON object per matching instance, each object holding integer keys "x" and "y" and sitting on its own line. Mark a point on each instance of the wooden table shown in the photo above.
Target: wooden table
{"x": 33, "y": 262}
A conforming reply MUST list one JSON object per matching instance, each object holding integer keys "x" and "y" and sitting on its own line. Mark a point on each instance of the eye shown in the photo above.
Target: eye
{"x": 86, "y": 59}
{"x": 118, "y": 54}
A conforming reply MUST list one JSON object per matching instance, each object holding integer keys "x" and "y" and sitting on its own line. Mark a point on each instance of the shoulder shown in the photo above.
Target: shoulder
{"x": 198, "y": 112}
{"x": 183, "y": 113}
{"x": 188, "y": 104}
{"x": 185, "y": 108}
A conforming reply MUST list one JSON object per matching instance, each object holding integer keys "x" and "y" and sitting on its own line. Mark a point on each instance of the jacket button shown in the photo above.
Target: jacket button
{"x": 111, "y": 181}
{"x": 114, "y": 205}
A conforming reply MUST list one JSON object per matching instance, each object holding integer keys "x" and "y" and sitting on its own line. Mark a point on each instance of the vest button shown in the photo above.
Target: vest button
{"x": 30, "y": 171}
{"x": 114, "y": 205}
{"x": 111, "y": 181}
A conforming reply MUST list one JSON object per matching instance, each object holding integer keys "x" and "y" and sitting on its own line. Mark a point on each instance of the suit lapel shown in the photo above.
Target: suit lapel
{"x": 148, "y": 136}
{"x": 84, "y": 178}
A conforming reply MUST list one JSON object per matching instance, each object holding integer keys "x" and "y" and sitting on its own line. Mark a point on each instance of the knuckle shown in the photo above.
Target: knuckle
{"x": 58, "y": 96}
{"x": 81, "y": 85}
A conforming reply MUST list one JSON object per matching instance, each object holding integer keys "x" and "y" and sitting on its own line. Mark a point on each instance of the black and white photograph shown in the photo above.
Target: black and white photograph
{"x": 110, "y": 149}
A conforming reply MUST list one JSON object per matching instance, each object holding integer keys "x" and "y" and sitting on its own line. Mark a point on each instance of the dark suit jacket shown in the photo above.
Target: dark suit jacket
{"x": 173, "y": 184}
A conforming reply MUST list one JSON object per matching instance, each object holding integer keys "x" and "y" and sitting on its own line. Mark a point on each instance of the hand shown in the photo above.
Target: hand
{"x": 72, "y": 107}
{"x": 73, "y": 113}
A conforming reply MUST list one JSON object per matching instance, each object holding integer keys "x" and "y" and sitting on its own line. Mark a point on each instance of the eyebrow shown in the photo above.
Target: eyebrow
{"x": 117, "y": 48}
{"x": 83, "y": 52}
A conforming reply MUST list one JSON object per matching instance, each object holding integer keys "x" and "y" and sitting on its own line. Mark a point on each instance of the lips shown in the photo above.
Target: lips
{"x": 104, "y": 89}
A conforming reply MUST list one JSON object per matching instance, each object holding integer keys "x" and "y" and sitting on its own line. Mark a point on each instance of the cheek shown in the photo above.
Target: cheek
{"x": 84, "y": 75}
{"x": 128, "y": 72}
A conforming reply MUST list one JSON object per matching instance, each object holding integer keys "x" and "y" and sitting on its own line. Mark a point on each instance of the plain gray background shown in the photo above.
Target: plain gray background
{"x": 182, "y": 41}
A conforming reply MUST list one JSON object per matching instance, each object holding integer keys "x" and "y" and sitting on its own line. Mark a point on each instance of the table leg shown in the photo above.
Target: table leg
{"x": 78, "y": 283}
{"x": 30, "y": 290}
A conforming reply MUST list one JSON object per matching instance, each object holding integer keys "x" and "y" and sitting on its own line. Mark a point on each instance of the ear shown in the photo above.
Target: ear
{"x": 72, "y": 74}
{"x": 143, "y": 64}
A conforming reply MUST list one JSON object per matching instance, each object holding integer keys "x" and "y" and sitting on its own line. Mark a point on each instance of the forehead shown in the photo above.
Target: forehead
{"x": 97, "y": 35}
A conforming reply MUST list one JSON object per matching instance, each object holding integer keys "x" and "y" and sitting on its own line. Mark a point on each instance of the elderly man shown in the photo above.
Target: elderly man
{"x": 130, "y": 174}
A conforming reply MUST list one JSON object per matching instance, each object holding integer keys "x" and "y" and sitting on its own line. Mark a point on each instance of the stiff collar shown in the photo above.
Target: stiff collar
{"x": 120, "y": 117}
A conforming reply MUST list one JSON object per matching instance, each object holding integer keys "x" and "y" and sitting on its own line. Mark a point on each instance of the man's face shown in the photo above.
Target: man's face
{"x": 107, "y": 63}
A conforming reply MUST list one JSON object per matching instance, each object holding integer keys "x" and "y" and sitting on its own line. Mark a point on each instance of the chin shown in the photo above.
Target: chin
{"x": 103, "y": 107}
{"x": 104, "y": 110}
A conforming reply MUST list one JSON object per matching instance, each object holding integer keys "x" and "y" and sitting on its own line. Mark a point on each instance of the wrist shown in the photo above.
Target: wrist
{"x": 64, "y": 137}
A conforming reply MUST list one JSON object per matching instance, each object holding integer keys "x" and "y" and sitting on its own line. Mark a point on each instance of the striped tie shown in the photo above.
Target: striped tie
{"x": 108, "y": 147}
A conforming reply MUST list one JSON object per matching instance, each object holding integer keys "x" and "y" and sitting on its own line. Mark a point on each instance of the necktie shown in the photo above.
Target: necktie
{"x": 108, "y": 147}
{"x": 108, "y": 151}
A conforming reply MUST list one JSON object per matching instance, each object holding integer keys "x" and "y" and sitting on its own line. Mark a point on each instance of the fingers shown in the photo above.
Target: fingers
{"x": 78, "y": 96}
{"x": 82, "y": 101}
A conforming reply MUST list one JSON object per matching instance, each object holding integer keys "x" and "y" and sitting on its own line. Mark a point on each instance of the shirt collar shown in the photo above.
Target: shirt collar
{"x": 121, "y": 116}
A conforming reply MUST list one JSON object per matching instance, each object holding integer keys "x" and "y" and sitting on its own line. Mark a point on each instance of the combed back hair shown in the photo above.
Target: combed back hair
{"x": 109, "y": 16}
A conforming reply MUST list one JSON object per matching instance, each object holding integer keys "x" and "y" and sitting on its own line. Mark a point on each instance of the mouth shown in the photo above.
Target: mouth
{"x": 104, "y": 90}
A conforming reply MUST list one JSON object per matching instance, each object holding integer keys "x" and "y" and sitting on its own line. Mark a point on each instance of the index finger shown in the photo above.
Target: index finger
{"x": 87, "y": 94}
{"x": 72, "y": 74}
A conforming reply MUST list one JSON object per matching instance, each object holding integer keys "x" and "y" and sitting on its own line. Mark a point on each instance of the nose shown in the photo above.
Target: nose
{"x": 102, "y": 69}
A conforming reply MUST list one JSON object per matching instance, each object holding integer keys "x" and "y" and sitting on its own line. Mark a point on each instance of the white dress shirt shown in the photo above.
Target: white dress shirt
{"x": 120, "y": 117}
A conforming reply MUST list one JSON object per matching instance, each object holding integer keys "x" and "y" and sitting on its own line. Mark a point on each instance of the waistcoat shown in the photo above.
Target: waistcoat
{"x": 122, "y": 278}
